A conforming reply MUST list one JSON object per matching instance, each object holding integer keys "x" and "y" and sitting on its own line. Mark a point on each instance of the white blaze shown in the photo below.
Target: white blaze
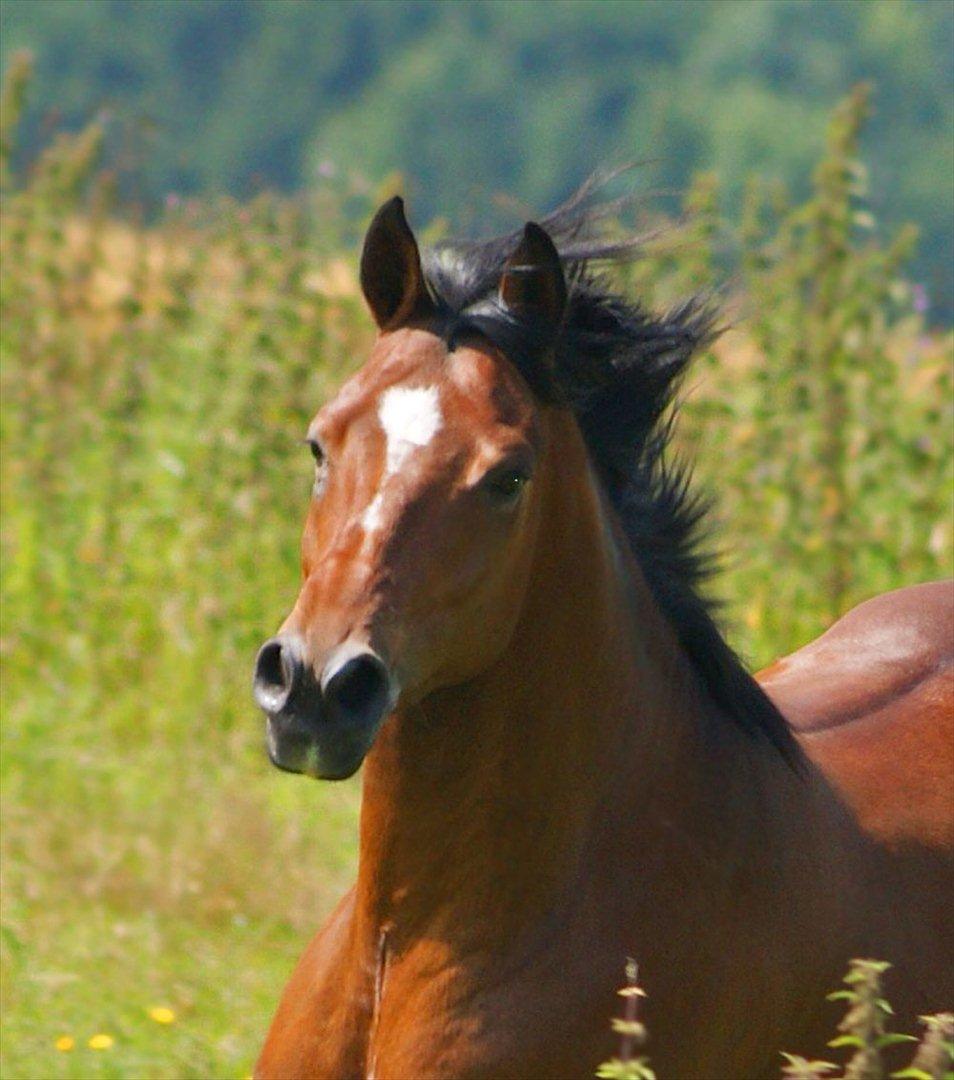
{"x": 410, "y": 418}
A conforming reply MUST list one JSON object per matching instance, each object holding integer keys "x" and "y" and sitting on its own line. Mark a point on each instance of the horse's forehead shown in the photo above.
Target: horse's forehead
{"x": 396, "y": 358}
{"x": 469, "y": 383}
{"x": 478, "y": 376}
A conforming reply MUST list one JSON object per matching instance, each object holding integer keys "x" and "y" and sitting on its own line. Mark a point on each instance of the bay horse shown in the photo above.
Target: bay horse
{"x": 564, "y": 762}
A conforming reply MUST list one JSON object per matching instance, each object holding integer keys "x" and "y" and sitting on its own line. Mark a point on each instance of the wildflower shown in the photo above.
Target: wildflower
{"x": 64, "y": 1043}
{"x": 101, "y": 1042}
{"x": 161, "y": 1014}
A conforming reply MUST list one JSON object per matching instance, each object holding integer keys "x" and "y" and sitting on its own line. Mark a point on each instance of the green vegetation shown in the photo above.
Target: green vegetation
{"x": 840, "y": 454}
{"x": 863, "y": 1031}
{"x": 632, "y": 1035}
{"x": 466, "y": 98}
{"x": 154, "y": 388}
{"x": 155, "y": 384}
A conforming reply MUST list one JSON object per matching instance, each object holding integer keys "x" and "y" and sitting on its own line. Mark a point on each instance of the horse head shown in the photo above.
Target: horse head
{"x": 431, "y": 464}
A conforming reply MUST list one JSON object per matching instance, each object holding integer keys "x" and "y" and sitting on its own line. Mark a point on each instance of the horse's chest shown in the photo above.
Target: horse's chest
{"x": 445, "y": 1020}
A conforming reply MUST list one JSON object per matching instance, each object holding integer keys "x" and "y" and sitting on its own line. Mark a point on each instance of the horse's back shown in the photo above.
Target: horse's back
{"x": 872, "y": 701}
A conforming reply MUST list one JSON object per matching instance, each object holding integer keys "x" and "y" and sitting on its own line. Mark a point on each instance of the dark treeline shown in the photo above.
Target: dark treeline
{"x": 469, "y": 99}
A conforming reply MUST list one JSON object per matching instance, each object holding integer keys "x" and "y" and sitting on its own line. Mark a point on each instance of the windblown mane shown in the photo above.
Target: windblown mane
{"x": 618, "y": 367}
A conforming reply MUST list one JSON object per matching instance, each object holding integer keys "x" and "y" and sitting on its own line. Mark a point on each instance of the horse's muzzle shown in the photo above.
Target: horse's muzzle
{"x": 321, "y": 727}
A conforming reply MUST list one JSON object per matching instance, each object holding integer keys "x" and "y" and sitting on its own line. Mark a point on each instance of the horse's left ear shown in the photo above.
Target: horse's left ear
{"x": 532, "y": 284}
{"x": 391, "y": 276}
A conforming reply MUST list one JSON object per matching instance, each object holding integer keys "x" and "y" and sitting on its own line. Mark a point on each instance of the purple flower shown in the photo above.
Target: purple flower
{"x": 919, "y": 299}
{"x": 326, "y": 169}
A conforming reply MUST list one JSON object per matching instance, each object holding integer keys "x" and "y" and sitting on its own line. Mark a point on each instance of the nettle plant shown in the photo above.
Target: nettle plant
{"x": 632, "y": 1034}
{"x": 864, "y": 1031}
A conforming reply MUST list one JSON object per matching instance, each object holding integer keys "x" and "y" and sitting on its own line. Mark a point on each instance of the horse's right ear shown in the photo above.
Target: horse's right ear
{"x": 391, "y": 276}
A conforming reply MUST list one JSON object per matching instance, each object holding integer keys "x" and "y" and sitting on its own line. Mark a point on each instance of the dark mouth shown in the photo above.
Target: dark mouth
{"x": 326, "y": 755}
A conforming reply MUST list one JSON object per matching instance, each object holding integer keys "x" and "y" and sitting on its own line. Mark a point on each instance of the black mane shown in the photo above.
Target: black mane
{"x": 618, "y": 367}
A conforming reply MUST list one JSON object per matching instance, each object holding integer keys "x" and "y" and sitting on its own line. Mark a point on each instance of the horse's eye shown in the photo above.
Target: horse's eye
{"x": 504, "y": 485}
{"x": 321, "y": 466}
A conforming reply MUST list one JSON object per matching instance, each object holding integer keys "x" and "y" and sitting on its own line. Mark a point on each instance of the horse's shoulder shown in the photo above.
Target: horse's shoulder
{"x": 872, "y": 701}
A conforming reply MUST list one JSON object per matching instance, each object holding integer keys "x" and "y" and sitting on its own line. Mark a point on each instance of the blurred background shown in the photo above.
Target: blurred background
{"x": 467, "y": 99}
{"x": 184, "y": 189}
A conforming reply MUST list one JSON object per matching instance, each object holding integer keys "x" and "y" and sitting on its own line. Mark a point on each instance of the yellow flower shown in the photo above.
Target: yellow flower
{"x": 101, "y": 1042}
{"x": 65, "y": 1042}
{"x": 161, "y": 1014}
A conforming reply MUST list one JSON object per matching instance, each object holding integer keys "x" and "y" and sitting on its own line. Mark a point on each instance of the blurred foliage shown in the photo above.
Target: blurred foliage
{"x": 469, "y": 97}
{"x": 154, "y": 386}
{"x": 155, "y": 381}
{"x": 840, "y": 437}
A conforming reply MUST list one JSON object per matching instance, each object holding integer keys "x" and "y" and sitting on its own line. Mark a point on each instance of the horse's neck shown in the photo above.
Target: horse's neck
{"x": 484, "y": 806}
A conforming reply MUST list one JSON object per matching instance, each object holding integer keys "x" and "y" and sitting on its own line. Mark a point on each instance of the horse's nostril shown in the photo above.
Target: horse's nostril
{"x": 277, "y": 671}
{"x": 358, "y": 690}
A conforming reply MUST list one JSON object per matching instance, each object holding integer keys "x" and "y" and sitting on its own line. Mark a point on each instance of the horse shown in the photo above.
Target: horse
{"x": 501, "y": 617}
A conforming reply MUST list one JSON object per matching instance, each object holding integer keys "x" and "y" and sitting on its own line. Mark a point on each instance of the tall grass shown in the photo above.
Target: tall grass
{"x": 155, "y": 383}
{"x": 156, "y": 380}
{"x": 823, "y": 423}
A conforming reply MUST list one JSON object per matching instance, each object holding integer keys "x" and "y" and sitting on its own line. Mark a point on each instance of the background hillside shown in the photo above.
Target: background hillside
{"x": 467, "y": 98}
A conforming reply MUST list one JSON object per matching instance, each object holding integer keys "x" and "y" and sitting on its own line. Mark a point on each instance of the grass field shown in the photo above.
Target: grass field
{"x": 156, "y": 382}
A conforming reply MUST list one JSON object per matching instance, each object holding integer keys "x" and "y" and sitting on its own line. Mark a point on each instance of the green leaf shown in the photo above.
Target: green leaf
{"x": 911, "y": 1073}
{"x": 862, "y": 970}
{"x": 815, "y": 1066}
{"x": 841, "y": 995}
{"x": 629, "y": 1027}
{"x": 615, "y": 1069}
{"x": 847, "y": 1040}
{"x": 892, "y": 1038}
{"x": 612, "y": 1070}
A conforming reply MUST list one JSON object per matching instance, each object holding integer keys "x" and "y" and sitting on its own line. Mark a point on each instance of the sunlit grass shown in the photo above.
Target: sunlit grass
{"x": 96, "y": 982}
